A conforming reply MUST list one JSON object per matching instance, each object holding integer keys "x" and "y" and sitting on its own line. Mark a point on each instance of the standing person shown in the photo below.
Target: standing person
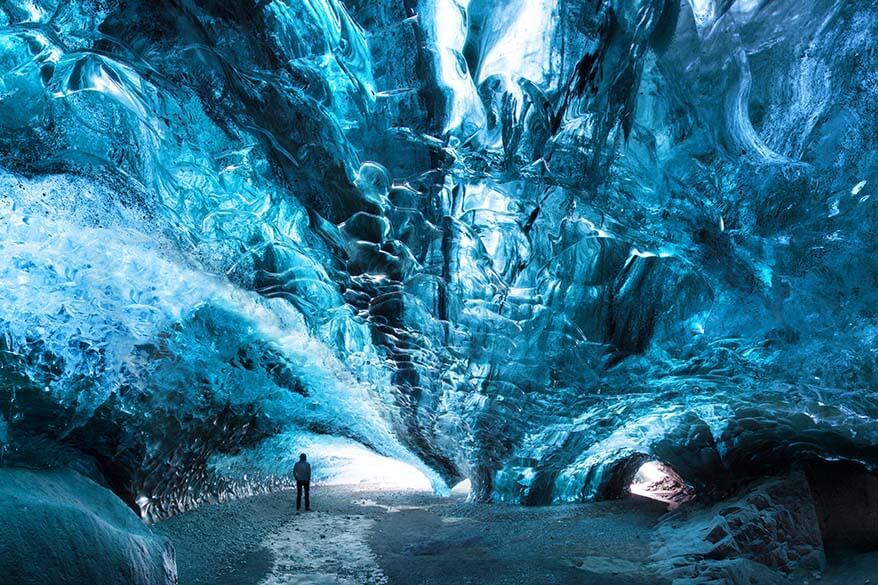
{"x": 302, "y": 473}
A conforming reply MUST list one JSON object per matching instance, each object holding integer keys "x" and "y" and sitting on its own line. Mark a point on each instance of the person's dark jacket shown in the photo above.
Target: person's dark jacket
{"x": 302, "y": 471}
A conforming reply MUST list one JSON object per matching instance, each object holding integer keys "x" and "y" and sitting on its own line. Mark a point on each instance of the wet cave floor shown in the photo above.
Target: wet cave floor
{"x": 355, "y": 536}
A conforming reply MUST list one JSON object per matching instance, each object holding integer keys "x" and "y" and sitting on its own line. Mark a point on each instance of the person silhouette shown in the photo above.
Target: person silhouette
{"x": 302, "y": 473}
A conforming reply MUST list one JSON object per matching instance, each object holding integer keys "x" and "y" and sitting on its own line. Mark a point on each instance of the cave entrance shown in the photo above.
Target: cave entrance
{"x": 658, "y": 481}
{"x": 344, "y": 462}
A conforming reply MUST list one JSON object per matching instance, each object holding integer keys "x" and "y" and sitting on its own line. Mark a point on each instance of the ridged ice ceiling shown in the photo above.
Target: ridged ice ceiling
{"x": 528, "y": 243}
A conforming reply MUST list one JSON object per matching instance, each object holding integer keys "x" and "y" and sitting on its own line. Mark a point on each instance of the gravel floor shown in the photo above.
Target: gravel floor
{"x": 358, "y": 536}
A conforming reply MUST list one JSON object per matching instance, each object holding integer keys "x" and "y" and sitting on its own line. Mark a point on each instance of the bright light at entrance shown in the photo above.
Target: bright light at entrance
{"x": 657, "y": 481}
{"x": 649, "y": 473}
{"x": 347, "y": 463}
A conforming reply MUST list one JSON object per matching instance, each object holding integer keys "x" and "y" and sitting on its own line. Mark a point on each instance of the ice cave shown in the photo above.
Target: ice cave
{"x": 607, "y": 268}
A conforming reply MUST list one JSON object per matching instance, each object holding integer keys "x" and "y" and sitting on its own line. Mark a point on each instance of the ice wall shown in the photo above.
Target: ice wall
{"x": 525, "y": 243}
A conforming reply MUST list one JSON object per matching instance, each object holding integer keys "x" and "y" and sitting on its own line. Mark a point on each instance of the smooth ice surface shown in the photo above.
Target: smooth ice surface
{"x": 529, "y": 244}
{"x": 60, "y": 527}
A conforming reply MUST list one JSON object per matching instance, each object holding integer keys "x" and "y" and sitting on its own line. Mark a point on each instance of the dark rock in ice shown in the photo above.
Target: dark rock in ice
{"x": 761, "y": 535}
{"x": 845, "y": 496}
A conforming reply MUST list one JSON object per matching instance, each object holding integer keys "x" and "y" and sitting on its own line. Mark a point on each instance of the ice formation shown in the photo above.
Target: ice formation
{"x": 527, "y": 243}
{"x": 59, "y": 527}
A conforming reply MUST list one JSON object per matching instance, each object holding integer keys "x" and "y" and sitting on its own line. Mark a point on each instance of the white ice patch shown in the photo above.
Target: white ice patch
{"x": 390, "y": 509}
{"x": 465, "y": 107}
{"x": 323, "y": 549}
{"x": 520, "y": 41}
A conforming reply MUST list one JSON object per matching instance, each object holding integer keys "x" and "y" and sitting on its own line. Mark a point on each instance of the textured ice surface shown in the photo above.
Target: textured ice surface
{"x": 531, "y": 244}
{"x": 59, "y": 527}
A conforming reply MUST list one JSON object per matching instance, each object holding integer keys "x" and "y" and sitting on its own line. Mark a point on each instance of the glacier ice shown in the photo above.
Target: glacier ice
{"x": 526, "y": 244}
{"x": 61, "y": 527}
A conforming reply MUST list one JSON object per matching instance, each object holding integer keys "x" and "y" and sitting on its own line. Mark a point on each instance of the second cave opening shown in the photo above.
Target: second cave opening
{"x": 658, "y": 481}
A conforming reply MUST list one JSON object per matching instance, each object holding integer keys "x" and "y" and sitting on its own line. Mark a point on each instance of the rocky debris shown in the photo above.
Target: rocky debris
{"x": 767, "y": 532}
{"x": 59, "y": 527}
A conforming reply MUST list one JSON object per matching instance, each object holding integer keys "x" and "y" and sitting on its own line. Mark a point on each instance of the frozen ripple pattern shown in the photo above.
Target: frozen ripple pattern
{"x": 530, "y": 244}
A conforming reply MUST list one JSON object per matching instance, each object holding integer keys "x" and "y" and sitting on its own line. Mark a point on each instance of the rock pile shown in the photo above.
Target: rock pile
{"x": 762, "y": 535}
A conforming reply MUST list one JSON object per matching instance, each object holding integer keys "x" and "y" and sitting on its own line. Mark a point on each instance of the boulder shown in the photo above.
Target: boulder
{"x": 768, "y": 531}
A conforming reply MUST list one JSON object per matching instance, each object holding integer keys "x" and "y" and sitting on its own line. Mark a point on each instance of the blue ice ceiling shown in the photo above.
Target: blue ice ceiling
{"x": 528, "y": 243}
